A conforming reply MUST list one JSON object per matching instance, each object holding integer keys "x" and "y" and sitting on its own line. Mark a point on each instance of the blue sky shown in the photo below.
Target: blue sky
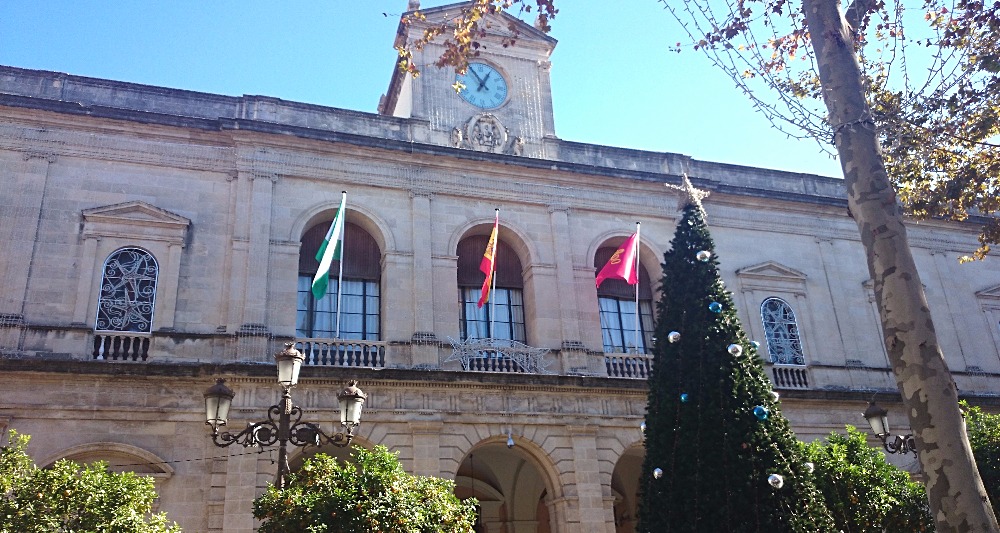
{"x": 614, "y": 81}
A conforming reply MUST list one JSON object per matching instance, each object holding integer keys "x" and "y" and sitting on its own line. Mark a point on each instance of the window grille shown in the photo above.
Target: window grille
{"x": 782, "y": 332}
{"x": 128, "y": 292}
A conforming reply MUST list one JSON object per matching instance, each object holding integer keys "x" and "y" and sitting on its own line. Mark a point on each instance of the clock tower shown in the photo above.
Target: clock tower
{"x": 504, "y": 104}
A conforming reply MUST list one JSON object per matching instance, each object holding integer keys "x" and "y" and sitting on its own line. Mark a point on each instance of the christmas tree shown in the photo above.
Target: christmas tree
{"x": 719, "y": 454}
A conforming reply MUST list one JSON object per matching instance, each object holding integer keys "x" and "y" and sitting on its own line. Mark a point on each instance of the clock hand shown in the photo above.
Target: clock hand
{"x": 482, "y": 81}
{"x": 473, "y": 71}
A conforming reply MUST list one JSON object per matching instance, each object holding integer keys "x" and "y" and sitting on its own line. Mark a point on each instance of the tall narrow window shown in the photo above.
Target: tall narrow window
{"x": 128, "y": 292}
{"x": 360, "y": 301}
{"x": 618, "y": 317}
{"x": 503, "y": 316}
{"x": 781, "y": 332}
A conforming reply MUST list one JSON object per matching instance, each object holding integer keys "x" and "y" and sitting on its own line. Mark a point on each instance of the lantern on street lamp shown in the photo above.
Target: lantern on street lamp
{"x": 284, "y": 423}
{"x": 351, "y": 400}
{"x": 218, "y": 400}
{"x": 289, "y": 361}
{"x": 878, "y": 419}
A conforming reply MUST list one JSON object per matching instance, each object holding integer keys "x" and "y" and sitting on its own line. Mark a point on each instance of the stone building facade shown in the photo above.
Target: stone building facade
{"x": 155, "y": 239}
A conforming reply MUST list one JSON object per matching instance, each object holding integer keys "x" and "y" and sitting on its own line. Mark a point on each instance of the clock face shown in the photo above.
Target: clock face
{"x": 485, "y": 87}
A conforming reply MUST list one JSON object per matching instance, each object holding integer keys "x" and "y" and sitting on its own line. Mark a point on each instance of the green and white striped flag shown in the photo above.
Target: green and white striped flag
{"x": 329, "y": 251}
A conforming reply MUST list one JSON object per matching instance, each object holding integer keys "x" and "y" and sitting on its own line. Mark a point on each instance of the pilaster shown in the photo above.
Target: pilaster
{"x": 594, "y": 514}
{"x": 20, "y": 214}
{"x": 241, "y": 490}
{"x": 426, "y": 447}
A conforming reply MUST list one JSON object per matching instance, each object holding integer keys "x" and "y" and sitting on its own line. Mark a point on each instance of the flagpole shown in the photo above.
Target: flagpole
{"x": 635, "y": 256}
{"x": 340, "y": 274}
{"x": 493, "y": 275}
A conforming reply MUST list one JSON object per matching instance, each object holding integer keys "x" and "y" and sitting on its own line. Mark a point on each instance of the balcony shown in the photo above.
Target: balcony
{"x": 122, "y": 346}
{"x": 790, "y": 376}
{"x": 628, "y": 365}
{"x": 343, "y": 352}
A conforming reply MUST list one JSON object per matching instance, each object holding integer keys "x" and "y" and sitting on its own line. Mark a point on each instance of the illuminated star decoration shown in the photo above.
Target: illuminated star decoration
{"x": 688, "y": 194}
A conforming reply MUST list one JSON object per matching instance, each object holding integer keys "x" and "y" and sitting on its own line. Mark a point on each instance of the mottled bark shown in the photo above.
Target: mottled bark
{"x": 957, "y": 497}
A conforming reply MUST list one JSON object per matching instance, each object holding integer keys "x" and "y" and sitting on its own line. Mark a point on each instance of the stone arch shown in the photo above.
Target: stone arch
{"x": 650, "y": 254}
{"x": 515, "y": 485}
{"x": 625, "y": 485}
{"x": 120, "y": 458}
{"x": 515, "y": 236}
{"x": 365, "y": 218}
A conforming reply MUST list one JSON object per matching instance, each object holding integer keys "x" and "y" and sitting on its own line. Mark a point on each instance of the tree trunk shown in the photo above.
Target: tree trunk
{"x": 957, "y": 498}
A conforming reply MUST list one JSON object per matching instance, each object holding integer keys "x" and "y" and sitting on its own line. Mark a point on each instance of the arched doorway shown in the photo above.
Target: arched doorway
{"x": 625, "y": 488}
{"x": 511, "y": 486}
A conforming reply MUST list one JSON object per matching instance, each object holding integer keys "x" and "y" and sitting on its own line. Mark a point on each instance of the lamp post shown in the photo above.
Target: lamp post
{"x": 284, "y": 421}
{"x": 878, "y": 419}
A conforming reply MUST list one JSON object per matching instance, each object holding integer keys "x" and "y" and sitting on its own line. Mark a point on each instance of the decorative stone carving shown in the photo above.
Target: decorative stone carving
{"x": 516, "y": 146}
{"x": 485, "y": 133}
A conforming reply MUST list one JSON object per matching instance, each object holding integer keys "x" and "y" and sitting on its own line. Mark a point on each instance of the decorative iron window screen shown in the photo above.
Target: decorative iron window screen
{"x": 128, "y": 292}
{"x": 781, "y": 332}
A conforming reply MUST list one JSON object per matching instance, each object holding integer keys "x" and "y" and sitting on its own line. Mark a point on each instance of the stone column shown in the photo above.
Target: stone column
{"x": 574, "y": 353}
{"x": 446, "y": 307}
{"x": 426, "y": 447}
{"x": 254, "y": 214}
{"x": 423, "y": 338}
{"x": 255, "y": 304}
{"x": 423, "y": 285}
{"x": 241, "y": 490}
{"x": 595, "y": 513}
{"x": 166, "y": 301}
{"x": 559, "y": 510}
{"x": 489, "y": 517}
{"x": 20, "y": 213}
{"x": 397, "y": 324}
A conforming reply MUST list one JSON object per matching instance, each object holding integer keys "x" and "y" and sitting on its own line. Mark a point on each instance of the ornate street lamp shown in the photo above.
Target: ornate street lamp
{"x": 280, "y": 427}
{"x": 878, "y": 419}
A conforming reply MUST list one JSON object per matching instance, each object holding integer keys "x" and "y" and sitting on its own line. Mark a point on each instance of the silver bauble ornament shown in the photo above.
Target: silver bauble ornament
{"x": 657, "y": 473}
{"x": 776, "y": 481}
{"x": 674, "y": 336}
{"x": 735, "y": 350}
{"x": 810, "y": 467}
{"x": 704, "y": 256}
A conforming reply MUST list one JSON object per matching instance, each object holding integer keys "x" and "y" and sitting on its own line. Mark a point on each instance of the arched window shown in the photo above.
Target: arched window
{"x": 128, "y": 292}
{"x": 359, "y": 298}
{"x": 618, "y": 317}
{"x": 781, "y": 332}
{"x": 503, "y": 316}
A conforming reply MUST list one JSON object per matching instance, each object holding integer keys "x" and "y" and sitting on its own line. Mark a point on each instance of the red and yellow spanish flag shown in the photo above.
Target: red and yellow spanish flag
{"x": 622, "y": 263}
{"x": 488, "y": 264}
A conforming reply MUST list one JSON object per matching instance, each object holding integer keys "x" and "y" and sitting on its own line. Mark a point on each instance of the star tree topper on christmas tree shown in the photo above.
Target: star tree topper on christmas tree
{"x": 689, "y": 195}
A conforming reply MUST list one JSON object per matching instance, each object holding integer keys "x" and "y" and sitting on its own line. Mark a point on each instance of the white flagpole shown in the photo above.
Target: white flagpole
{"x": 635, "y": 258}
{"x": 340, "y": 274}
{"x": 493, "y": 276}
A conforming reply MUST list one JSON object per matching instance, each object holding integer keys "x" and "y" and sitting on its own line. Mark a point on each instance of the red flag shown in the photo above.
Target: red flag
{"x": 622, "y": 263}
{"x": 489, "y": 262}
